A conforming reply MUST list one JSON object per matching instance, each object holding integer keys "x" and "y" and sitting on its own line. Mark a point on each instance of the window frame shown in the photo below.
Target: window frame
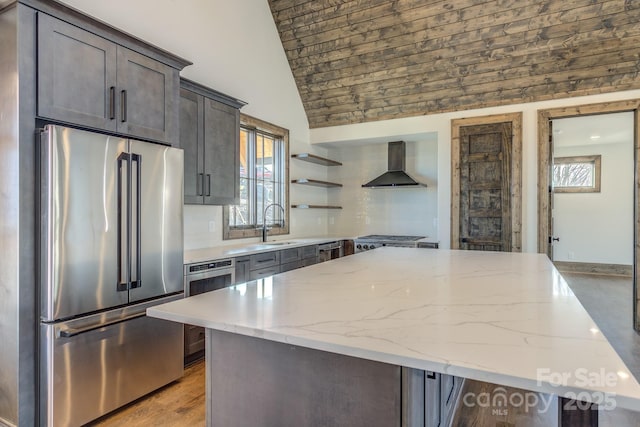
{"x": 229, "y": 233}
{"x": 596, "y": 160}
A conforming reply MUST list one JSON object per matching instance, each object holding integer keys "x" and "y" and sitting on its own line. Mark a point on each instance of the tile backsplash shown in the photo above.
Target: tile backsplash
{"x": 408, "y": 211}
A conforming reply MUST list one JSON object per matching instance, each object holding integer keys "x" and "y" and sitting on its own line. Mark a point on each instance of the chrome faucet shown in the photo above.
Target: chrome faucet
{"x": 264, "y": 220}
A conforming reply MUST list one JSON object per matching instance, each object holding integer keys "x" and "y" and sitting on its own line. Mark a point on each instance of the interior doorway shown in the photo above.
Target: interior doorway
{"x": 546, "y": 118}
{"x": 592, "y": 197}
{"x": 486, "y": 202}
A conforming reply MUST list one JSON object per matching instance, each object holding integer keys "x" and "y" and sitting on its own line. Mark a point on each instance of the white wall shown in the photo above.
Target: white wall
{"x": 389, "y": 130}
{"x": 597, "y": 227}
{"x": 235, "y": 48}
{"x": 404, "y": 211}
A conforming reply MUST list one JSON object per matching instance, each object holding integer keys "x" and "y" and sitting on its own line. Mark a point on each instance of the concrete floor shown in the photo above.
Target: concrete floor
{"x": 609, "y": 301}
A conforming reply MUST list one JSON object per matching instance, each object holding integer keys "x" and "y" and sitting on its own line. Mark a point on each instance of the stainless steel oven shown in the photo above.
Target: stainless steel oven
{"x": 199, "y": 278}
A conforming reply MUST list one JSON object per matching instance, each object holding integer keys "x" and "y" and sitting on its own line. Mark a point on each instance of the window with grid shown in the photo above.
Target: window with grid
{"x": 263, "y": 181}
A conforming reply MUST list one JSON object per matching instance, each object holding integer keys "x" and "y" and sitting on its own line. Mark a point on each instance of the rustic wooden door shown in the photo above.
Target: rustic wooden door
{"x": 485, "y": 187}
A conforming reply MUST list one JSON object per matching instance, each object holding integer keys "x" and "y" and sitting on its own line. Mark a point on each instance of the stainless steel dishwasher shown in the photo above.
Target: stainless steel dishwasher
{"x": 199, "y": 278}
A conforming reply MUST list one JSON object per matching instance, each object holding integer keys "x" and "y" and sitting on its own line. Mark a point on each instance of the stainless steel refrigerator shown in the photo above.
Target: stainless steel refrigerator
{"x": 111, "y": 229}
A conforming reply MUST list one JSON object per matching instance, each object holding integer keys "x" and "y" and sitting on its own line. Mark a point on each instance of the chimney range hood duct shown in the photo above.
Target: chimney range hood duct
{"x": 395, "y": 176}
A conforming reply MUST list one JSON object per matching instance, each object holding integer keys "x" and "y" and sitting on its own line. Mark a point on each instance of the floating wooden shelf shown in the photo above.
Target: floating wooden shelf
{"x": 315, "y": 182}
{"x": 312, "y": 158}
{"x": 315, "y": 207}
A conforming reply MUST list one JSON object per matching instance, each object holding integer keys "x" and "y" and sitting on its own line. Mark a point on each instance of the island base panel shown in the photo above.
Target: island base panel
{"x": 256, "y": 382}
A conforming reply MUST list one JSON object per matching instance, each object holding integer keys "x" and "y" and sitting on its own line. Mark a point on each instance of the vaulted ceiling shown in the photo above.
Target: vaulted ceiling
{"x": 364, "y": 60}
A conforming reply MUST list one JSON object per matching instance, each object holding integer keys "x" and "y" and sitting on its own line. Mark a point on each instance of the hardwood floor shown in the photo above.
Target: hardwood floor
{"x": 180, "y": 403}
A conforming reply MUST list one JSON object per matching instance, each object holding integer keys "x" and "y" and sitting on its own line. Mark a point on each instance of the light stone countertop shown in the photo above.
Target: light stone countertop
{"x": 504, "y": 318}
{"x": 230, "y": 251}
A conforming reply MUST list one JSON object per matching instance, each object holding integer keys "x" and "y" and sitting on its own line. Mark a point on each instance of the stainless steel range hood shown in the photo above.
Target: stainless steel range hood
{"x": 395, "y": 176}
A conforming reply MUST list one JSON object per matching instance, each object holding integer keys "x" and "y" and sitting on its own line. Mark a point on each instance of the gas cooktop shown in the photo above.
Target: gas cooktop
{"x": 373, "y": 241}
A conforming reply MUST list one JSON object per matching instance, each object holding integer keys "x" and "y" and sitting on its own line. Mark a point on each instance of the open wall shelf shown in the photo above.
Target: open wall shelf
{"x": 315, "y": 207}
{"x": 315, "y": 183}
{"x": 312, "y": 158}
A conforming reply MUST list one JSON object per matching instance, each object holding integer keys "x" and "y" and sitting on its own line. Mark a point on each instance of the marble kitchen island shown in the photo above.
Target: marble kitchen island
{"x": 354, "y": 341}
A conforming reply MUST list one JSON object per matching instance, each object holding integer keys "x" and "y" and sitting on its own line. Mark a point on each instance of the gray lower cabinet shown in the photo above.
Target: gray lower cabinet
{"x": 292, "y": 265}
{"x": 264, "y": 260}
{"x": 90, "y": 81}
{"x": 441, "y": 393}
{"x": 264, "y": 272}
{"x": 242, "y": 269}
{"x": 290, "y": 255}
{"x": 209, "y": 135}
{"x": 257, "y": 266}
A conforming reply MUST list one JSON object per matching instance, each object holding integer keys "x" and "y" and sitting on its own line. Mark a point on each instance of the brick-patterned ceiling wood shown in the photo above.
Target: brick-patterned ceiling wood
{"x": 365, "y": 60}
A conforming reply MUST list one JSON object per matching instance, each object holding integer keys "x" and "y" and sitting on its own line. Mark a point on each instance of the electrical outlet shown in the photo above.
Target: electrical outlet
{"x": 319, "y": 220}
{"x": 332, "y": 220}
{"x": 571, "y": 255}
{"x": 367, "y": 220}
{"x": 212, "y": 226}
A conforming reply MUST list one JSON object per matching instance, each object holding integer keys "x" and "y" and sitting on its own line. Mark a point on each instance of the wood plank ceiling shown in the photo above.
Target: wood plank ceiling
{"x": 365, "y": 60}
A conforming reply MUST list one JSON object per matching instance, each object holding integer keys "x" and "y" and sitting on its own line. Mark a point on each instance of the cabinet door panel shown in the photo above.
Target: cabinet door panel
{"x": 76, "y": 75}
{"x": 265, "y": 259}
{"x": 242, "y": 269}
{"x": 222, "y": 153}
{"x": 192, "y": 142}
{"x": 289, "y": 255}
{"x": 264, "y": 272}
{"x": 148, "y": 92}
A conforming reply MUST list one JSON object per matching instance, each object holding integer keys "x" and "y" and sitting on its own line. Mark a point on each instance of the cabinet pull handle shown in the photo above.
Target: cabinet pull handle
{"x": 199, "y": 184}
{"x": 112, "y": 102}
{"x": 123, "y": 105}
{"x": 208, "y": 185}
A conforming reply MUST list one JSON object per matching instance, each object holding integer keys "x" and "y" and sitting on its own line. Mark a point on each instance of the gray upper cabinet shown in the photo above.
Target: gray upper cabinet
{"x": 222, "y": 153}
{"x": 76, "y": 75}
{"x": 148, "y": 95}
{"x": 192, "y": 142}
{"x": 91, "y": 81}
{"x": 209, "y": 135}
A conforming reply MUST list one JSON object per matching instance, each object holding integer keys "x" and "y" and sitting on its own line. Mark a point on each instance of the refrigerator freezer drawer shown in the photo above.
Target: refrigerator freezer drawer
{"x": 93, "y": 371}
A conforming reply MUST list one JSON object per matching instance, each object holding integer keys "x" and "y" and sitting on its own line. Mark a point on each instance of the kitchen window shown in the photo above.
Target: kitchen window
{"x": 578, "y": 174}
{"x": 264, "y": 172}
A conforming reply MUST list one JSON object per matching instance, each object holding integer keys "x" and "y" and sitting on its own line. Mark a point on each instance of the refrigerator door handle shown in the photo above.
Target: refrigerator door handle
{"x": 137, "y": 158}
{"x": 121, "y": 286}
{"x": 69, "y": 333}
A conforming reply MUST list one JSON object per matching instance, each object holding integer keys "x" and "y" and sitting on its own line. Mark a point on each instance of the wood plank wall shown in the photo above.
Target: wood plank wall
{"x": 365, "y": 60}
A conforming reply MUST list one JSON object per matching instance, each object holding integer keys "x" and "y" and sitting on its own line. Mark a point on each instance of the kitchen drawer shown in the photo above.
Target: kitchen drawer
{"x": 290, "y": 255}
{"x": 310, "y": 261}
{"x": 309, "y": 252}
{"x": 428, "y": 245}
{"x": 264, "y": 260}
{"x": 292, "y": 265}
{"x": 264, "y": 272}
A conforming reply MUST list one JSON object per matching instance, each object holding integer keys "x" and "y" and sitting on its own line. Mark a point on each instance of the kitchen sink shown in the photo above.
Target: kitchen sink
{"x": 275, "y": 243}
